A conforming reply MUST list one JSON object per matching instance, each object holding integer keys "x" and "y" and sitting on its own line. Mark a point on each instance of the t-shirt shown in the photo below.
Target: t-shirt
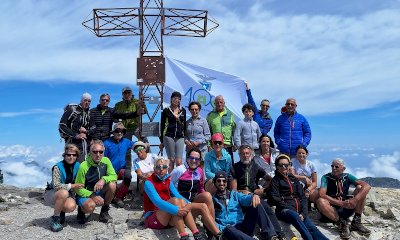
{"x": 146, "y": 165}
{"x": 303, "y": 169}
{"x": 247, "y": 176}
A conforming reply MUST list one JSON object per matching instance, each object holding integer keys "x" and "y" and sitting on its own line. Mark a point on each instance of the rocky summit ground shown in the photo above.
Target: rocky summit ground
{"x": 24, "y": 216}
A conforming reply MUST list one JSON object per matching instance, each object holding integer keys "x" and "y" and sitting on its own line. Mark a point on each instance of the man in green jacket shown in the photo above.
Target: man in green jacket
{"x": 99, "y": 179}
{"x": 221, "y": 120}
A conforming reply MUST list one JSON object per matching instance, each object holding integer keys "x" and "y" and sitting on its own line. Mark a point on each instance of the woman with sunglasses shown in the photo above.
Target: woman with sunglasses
{"x": 265, "y": 158}
{"x": 305, "y": 172}
{"x": 197, "y": 131}
{"x": 164, "y": 207}
{"x": 60, "y": 192}
{"x": 189, "y": 180}
{"x": 287, "y": 194}
{"x": 172, "y": 128}
{"x": 218, "y": 159}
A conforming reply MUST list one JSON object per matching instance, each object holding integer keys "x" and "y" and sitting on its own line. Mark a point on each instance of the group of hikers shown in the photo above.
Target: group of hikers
{"x": 265, "y": 184}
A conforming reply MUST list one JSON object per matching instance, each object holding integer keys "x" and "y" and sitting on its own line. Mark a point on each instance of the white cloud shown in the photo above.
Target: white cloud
{"x": 325, "y": 61}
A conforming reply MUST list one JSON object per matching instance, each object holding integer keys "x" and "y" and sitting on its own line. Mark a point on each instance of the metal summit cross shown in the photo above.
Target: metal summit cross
{"x": 151, "y": 21}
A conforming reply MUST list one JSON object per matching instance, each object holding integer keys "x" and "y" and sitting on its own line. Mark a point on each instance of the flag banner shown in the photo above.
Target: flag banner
{"x": 202, "y": 84}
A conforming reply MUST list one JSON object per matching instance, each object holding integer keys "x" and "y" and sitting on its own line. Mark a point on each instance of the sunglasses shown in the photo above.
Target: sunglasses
{"x": 71, "y": 154}
{"x": 217, "y": 142}
{"x": 119, "y": 131}
{"x": 138, "y": 149}
{"x": 97, "y": 152}
{"x": 161, "y": 167}
{"x": 197, "y": 159}
{"x": 285, "y": 165}
{"x": 105, "y": 100}
{"x": 221, "y": 181}
{"x": 335, "y": 166}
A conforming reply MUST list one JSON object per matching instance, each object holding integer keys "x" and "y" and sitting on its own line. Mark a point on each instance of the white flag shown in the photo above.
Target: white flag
{"x": 202, "y": 84}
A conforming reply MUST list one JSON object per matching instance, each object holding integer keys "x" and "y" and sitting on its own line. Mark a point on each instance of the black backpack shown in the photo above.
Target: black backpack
{"x": 75, "y": 112}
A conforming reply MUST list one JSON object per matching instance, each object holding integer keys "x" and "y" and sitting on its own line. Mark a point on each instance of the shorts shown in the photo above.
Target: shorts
{"x": 153, "y": 223}
{"x": 49, "y": 197}
{"x": 174, "y": 147}
{"x": 81, "y": 200}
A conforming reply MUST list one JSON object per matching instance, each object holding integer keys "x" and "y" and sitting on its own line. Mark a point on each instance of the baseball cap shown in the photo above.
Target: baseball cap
{"x": 126, "y": 89}
{"x": 217, "y": 137}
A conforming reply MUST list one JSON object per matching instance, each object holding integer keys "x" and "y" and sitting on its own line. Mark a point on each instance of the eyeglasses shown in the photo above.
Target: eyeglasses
{"x": 194, "y": 158}
{"x": 97, "y": 152}
{"x": 138, "y": 149}
{"x": 119, "y": 131}
{"x": 105, "y": 100}
{"x": 71, "y": 154}
{"x": 285, "y": 165}
{"x": 221, "y": 181}
{"x": 161, "y": 167}
{"x": 335, "y": 166}
{"x": 217, "y": 142}
{"x": 194, "y": 109}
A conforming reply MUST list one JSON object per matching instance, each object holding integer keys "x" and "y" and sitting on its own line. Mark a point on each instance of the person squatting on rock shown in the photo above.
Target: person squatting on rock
{"x": 99, "y": 179}
{"x": 116, "y": 148}
{"x": 60, "y": 193}
{"x": 164, "y": 207}
{"x": 172, "y": 128}
{"x": 230, "y": 218}
{"x": 246, "y": 175}
{"x": 335, "y": 202}
{"x": 188, "y": 178}
{"x": 74, "y": 125}
{"x": 287, "y": 194}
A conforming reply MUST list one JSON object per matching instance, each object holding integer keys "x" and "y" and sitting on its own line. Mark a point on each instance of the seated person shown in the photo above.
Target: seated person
{"x": 305, "y": 172}
{"x": 245, "y": 177}
{"x": 337, "y": 205}
{"x": 218, "y": 159}
{"x": 116, "y": 149}
{"x": 291, "y": 203}
{"x": 61, "y": 192}
{"x": 230, "y": 218}
{"x": 164, "y": 207}
{"x": 144, "y": 163}
{"x": 189, "y": 180}
{"x": 99, "y": 184}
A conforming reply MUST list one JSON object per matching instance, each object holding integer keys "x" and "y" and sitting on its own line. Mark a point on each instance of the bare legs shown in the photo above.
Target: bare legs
{"x": 63, "y": 202}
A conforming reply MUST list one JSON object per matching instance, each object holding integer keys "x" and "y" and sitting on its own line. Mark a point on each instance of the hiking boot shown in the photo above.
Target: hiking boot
{"x": 357, "y": 226}
{"x": 282, "y": 237}
{"x": 104, "y": 216}
{"x": 186, "y": 237}
{"x": 81, "y": 216}
{"x": 219, "y": 236}
{"x": 62, "y": 217}
{"x": 344, "y": 230}
{"x": 119, "y": 203}
{"x": 55, "y": 224}
{"x": 199, "y": 236}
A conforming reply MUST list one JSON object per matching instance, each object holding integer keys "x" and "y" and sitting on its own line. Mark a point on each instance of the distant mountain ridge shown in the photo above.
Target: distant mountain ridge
{"x": 383, "y": 182}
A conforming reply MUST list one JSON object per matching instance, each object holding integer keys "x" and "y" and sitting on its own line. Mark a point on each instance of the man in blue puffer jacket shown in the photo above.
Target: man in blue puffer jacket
{"x": 291, "y": 129}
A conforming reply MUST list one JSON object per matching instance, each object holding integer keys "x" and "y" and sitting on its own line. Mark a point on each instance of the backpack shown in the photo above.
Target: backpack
{"x": 74, "y": 114}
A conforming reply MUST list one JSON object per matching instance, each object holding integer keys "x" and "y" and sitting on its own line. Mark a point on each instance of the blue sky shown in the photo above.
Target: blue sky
{"x": 339, "y": 59}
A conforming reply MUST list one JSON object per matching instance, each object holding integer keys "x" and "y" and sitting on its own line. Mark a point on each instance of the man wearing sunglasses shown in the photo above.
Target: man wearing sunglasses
{"x": 102, "y": 118}
{"x": 337, "y": 205}
{"x": 99, "y": 179}
{"x": 116, "y": 148}
{"x": 230, "y": 218}
{"x": 164, "y": 207}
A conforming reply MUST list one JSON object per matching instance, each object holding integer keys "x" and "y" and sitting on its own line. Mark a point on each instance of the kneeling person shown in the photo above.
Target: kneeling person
{"x": 99, "y": 179}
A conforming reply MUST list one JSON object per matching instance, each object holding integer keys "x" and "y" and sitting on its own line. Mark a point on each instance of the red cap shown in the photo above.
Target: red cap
{"x": 217, "y": 137}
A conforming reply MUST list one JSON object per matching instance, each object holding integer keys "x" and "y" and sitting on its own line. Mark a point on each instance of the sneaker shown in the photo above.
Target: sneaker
{"x": 357, "y": 226}
{"x": 186, "y": 237}
{"x": 62, "y": 217}
{"x": 81, "y": 216}
{"x": 104, "y": 216}
{"x": 219, "y": 236}
{"x": 119, "y": 203}
{"x": 199, "y": 236}
{"x": 282, "y": 237}
{"x": 55, "y": 224}
{"x": 344, "y": 230}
